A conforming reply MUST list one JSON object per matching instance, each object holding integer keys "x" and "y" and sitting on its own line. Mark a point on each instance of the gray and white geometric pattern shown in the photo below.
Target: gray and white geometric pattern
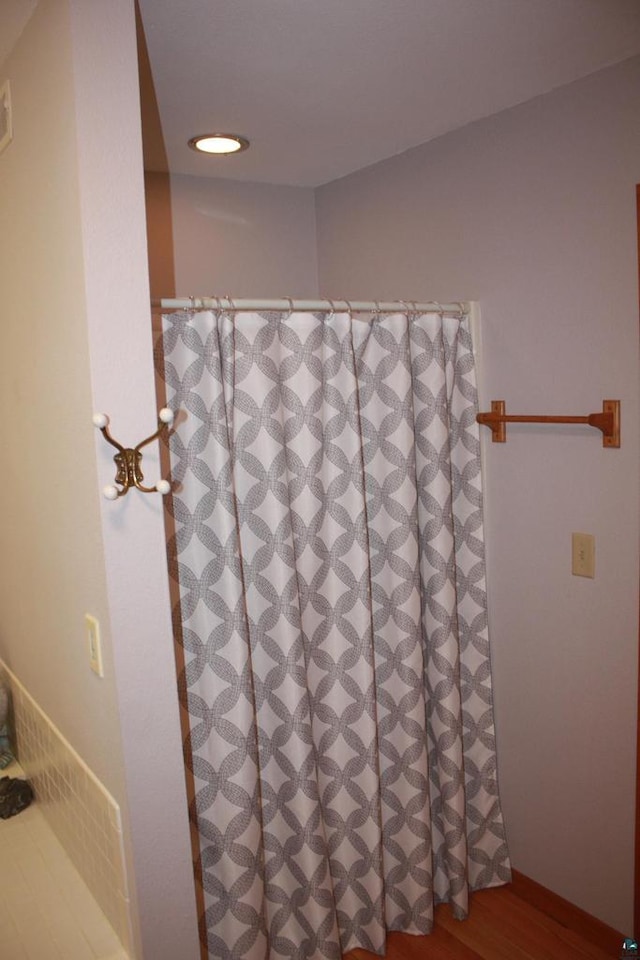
{"x": 330, "y": 559}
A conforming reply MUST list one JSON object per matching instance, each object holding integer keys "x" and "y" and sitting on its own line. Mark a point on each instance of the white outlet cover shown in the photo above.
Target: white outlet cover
{"x": 6, "y": 124}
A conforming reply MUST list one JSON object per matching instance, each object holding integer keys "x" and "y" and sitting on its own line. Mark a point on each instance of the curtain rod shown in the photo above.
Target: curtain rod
{"x": 354, "y": 306}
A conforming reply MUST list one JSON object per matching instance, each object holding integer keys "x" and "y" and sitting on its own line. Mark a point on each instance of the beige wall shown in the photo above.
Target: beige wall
{"x": 214, "y": 236}
{"x": 532, "y": 212}
{"x": 75, "y": 338}
{"x": 53, "y": 568}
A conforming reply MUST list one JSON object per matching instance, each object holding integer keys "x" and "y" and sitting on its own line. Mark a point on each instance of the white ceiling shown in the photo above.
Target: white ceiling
{"x": 325, "y": 87}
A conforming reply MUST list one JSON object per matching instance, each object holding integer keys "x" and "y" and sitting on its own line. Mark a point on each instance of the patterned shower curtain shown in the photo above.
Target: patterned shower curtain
{"x": 332, "y": 615}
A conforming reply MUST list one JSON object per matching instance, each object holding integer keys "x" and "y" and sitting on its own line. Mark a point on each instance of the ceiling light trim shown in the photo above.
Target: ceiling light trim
{"x": 196, "y": 144}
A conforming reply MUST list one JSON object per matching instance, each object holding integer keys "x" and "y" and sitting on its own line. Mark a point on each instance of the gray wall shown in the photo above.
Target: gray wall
{"x": 532, "y": 212}
{"x": 215, "y": 236}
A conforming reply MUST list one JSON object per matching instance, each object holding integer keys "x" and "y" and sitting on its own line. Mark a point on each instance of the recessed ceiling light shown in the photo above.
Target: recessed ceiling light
{"x": 219, "y": 143}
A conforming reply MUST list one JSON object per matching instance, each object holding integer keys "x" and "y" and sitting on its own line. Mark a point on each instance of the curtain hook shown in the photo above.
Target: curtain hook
{"x": 290, "y": 302}
{"x": 437, "y": 307}
{"x": 462, "y": 307}
{"x": 333, "y": 309}
{"x": 350, "y": 311}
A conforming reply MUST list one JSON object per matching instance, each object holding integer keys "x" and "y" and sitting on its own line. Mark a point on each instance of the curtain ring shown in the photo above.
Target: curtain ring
{"x": 348, "y": 303}
{"x": 438, "y": 307}
{"x": 462, "y": 309}
{"x": 232, "y": 307}
{"x": 290, "y": 301}
{"x": 333, "y": 309}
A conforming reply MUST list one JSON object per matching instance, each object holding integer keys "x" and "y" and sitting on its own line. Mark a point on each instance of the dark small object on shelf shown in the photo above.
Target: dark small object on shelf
{"x": 15, "y": 796}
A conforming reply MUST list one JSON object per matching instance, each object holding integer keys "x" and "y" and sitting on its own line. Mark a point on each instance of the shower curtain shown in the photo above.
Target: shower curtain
{"x": 329, "y": 553}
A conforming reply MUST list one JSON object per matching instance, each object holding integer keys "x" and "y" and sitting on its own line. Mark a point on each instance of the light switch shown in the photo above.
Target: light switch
{"x": 583, "y": 555}
{"x": 93, "y": 642}
{"x": 6, "y": 128}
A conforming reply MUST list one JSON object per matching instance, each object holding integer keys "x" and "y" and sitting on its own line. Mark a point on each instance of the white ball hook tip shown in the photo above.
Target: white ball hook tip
{"x": 163, "y": 487}
{"x": 110, "y": 492}
{"x": 166, "y": 415}
{"x": 100, "y": 420}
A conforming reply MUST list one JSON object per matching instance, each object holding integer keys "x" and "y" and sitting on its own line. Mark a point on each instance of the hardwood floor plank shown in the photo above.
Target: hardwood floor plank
{"x": 438, "y": 945}
{"x": 567, "y": 914}
{"x": 537, "y": 933}
{"x": 502, "y": 925}
{"x": 508, "y": 901}
{"x": 485, "y": 936}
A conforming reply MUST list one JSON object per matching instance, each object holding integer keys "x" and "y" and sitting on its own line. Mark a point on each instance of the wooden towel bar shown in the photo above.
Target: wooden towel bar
{"x": 608, "y": 421}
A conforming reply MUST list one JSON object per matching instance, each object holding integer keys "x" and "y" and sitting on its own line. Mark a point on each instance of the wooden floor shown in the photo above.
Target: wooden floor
{"x": 503, "y": 926}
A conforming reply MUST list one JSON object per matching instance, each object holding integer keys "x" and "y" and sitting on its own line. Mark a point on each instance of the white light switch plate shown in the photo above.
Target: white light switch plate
{"x": 583, "y": 555}
{"x": 93, "y": 642}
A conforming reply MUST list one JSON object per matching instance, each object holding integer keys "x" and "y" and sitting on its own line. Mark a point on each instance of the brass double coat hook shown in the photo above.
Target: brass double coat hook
{"x": 128, "y": 460}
